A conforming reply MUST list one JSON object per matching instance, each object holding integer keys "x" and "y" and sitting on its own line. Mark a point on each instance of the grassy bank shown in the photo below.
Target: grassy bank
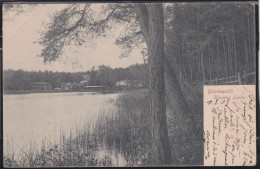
{"x": 128, "y": 130}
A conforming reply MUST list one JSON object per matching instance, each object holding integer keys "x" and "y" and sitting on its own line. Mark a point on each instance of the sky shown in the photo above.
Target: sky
{"x": 21, "y": 31}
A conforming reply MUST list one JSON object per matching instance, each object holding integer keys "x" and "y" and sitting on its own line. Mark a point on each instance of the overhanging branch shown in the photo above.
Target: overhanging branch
{"x": 142, "y": 14}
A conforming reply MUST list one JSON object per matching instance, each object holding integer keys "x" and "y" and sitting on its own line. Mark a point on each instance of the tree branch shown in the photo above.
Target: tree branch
{"x": 75, "y": 25}
{"x": 142, "y": 15}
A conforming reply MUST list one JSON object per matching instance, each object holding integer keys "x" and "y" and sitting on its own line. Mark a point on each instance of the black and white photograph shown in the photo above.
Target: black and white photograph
{"x": 129, "y": 84}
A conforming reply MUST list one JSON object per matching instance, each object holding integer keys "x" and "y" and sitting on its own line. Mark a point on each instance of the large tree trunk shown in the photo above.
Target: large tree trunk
{"x": 161, "y": 149}
{"x": 152, "y": 25}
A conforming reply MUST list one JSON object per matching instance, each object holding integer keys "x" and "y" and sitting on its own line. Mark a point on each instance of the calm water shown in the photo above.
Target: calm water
{"x": 31, "y": 118}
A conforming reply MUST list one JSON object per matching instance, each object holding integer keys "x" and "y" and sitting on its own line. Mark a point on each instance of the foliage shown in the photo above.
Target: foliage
{"x": 78, "y": 23}
{"x": 104, "y": 76}
{"x": 192, "y": 32}
{"x": 16, "y": 7}
{"x": 209, "y": 38}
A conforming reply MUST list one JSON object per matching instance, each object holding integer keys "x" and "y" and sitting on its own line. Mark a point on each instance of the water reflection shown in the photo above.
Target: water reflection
{"x": 31, "y": 118}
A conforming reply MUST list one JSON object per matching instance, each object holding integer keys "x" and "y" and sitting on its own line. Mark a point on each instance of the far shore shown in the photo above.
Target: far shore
{"x": 100, "y": 90}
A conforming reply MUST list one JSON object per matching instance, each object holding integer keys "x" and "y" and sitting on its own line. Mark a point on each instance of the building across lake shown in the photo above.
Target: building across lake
{"x": 129, "y": 84}
{"x": 85, "y": 80}
{"x": 41, "y": 86}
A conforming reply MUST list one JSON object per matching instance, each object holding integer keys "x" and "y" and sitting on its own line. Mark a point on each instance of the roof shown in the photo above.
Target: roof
{"x": 93, "y": 86}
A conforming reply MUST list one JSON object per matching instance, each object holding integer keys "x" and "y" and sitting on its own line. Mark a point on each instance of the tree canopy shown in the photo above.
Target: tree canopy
{"x": 79, "y": 24}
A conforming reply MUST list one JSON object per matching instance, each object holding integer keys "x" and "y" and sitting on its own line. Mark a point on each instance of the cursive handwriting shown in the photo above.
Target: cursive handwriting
{"x": 229, "y": 125}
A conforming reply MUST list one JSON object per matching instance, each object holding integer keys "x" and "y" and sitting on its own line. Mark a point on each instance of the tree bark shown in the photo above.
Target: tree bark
{"x": 152, "y": 26}
{"x": 161, "y": 148}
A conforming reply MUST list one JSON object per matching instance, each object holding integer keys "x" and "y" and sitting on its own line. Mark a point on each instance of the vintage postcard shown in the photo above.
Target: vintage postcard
{"x": 129, "y": 84}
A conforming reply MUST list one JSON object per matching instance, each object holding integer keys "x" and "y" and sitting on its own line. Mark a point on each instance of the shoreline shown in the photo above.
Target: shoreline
{"x": 102, "y": 91}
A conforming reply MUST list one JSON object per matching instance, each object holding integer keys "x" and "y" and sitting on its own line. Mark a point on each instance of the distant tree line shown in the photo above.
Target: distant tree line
{"x": 22, "y": 80}
{"x": 103, "y": 76}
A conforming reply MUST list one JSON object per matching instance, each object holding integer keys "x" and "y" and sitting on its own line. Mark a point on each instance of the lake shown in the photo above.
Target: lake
{"x": 32, "y": 118}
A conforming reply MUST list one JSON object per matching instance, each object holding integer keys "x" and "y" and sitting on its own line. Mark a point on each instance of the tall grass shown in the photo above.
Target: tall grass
{"x": 77, "y": 147}
{"x": 127, "y": 131}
